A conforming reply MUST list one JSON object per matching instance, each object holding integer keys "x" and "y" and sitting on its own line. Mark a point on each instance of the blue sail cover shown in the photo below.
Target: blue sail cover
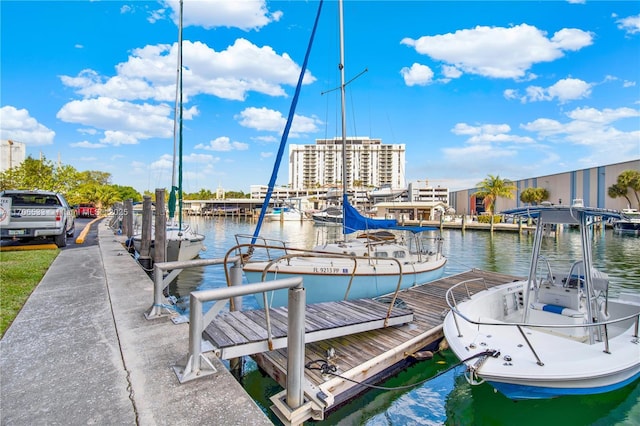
{"x": 354, "y": 221}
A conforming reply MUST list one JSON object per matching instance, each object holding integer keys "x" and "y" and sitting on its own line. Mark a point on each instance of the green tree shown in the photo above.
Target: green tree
{"x": 126, "y": 192}
{"x": 203, "y": 194}
{"x": 36, "y": 174}
{"x": 630, "y": 179}
{"x": 107, "y": 196}
{"x": 493, "y": 187}
{"x": 534, "y": 195}
{"x": 617, "y": 190}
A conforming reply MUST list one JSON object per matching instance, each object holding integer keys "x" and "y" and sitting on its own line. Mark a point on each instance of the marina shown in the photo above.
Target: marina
{"x": 503, "y": 252}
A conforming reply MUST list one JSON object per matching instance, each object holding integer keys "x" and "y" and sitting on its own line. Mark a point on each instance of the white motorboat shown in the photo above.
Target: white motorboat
{"x": 285, "y": 214}
{"x": 629, "y": 223}
{"x": 386, "y": 192}
{"x": 558, "y": 332}
{"x": 329, "y": 216}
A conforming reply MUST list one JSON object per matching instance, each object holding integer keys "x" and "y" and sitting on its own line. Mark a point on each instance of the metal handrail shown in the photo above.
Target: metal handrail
{"x": 312, "y": 253}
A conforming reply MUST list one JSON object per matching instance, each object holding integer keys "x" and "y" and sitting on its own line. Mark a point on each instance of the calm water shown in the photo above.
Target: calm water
{"x": 447, "y": 398}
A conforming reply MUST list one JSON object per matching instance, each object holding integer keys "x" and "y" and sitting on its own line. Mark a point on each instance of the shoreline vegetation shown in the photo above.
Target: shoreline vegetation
{"x": 20, "y": 274}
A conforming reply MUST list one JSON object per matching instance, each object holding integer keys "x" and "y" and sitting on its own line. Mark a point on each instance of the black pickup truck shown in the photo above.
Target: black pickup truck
{"x": 36, "y": 214}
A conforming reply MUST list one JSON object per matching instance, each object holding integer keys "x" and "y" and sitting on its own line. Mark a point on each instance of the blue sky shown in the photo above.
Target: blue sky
{"x": 510, "y": 88}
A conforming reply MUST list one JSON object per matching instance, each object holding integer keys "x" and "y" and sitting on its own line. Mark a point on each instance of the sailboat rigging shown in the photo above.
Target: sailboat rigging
{"x": 376, "y": 263}
{"x": 183, "y": 243}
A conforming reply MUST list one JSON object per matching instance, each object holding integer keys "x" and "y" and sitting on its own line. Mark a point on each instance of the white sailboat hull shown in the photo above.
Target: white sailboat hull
{"x": 329, "y": 275}
{"x": 185, "y": 245}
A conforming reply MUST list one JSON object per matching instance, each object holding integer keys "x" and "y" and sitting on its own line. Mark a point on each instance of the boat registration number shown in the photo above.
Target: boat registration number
{"x": 328, "y": 270}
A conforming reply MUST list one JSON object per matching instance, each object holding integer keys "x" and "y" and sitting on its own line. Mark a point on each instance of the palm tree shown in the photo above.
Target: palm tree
{"x": 617, "y": 190}
{"x": 631, "y": 179}
{"x": 493, "y": 187}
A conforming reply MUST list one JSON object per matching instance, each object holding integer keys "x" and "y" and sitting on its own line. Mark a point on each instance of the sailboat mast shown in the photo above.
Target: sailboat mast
{"x": 180, "y": 123}
{"x": 177, "y": 119}
{"x": 343, "y": 115}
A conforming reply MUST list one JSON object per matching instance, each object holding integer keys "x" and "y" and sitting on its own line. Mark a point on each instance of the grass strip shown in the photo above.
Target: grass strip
{"x": 20, "y": 273}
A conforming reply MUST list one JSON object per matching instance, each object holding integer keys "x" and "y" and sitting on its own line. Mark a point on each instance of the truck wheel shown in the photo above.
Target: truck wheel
{"x": 71, "y": 231}
{"x": 61, "y": 240}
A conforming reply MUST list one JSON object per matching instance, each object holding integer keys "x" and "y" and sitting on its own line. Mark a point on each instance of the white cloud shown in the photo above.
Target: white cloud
{"x": 87, "y": 144}
{"x": 264, "y": 119}
{"x": 570, "y": 89}
{"x": 594, "y": 129}
{"x": 246, "y": 15}
{"x": 564, "y": 90}
{"x": 630, "y": 24}
{"x": 150, "y": 73}
{"x": 499, "y": 52}
{"x": 488, "y": 133}
{"x": 165, "y": 162}
{"x": 124, "y": 122}
{"x": 223, "y": 143}
{"x": 17, "y": 124}
{"x": 417, "y": 75}
{"x": 450, "y": 71}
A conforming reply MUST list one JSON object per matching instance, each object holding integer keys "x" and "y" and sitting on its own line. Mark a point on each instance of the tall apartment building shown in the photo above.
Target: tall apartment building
{"x": 369, "y": 163}
{"x": 12, "y": 154}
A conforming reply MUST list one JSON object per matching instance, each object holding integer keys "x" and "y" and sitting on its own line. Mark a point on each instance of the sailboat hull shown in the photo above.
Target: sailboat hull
{"x": 184, "y": 249}
{"x": 327, "y": 279}
{"x": 185, "y": 245}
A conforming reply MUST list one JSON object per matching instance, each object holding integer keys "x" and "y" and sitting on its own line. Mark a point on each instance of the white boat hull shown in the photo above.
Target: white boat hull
{"x": 327, "y": 279}
{"x": 285, "y": 217}
{"x": 570, "y": 365}
{"x": 180, "y": 246}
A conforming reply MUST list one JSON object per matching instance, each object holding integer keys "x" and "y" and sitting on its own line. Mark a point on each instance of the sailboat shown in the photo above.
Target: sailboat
{"x": 183, "y": 242}
{"x": 374, "y": 257}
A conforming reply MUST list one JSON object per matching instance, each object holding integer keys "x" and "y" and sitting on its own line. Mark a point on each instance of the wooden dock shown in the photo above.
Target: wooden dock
{"x": 358, "y": 356}
{"x": 240, "y": 333}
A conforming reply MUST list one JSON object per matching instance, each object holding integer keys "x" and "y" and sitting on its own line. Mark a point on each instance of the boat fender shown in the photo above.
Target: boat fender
{"x": 421, "y": 355}
{"x": 603, "y": 311}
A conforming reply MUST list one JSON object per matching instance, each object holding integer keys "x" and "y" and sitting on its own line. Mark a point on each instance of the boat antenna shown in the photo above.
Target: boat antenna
{"x": 285, "y": 133}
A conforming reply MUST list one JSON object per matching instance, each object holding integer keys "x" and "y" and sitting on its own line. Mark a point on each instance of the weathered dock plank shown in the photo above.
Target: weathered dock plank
{"x": 240, "y": 333}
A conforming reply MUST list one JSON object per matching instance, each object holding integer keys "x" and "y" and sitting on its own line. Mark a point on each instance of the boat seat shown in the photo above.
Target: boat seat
{"x": 563, "y": 297}
{"x": 575, "y": 279}
{"x": 556, "y": 309}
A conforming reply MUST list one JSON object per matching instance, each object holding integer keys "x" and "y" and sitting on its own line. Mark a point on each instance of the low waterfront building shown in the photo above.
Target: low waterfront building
{"x": 405, "y": 211}
{"x": 590, "y": 185}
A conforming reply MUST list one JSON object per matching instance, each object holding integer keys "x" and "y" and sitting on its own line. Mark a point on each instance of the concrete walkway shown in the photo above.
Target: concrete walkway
{"x": 81, "y": 352}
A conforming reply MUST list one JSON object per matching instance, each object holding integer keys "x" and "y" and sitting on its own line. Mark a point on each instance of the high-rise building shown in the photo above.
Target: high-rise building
{"x": 369, "y": 163}
{"x": 12, "y": 154}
